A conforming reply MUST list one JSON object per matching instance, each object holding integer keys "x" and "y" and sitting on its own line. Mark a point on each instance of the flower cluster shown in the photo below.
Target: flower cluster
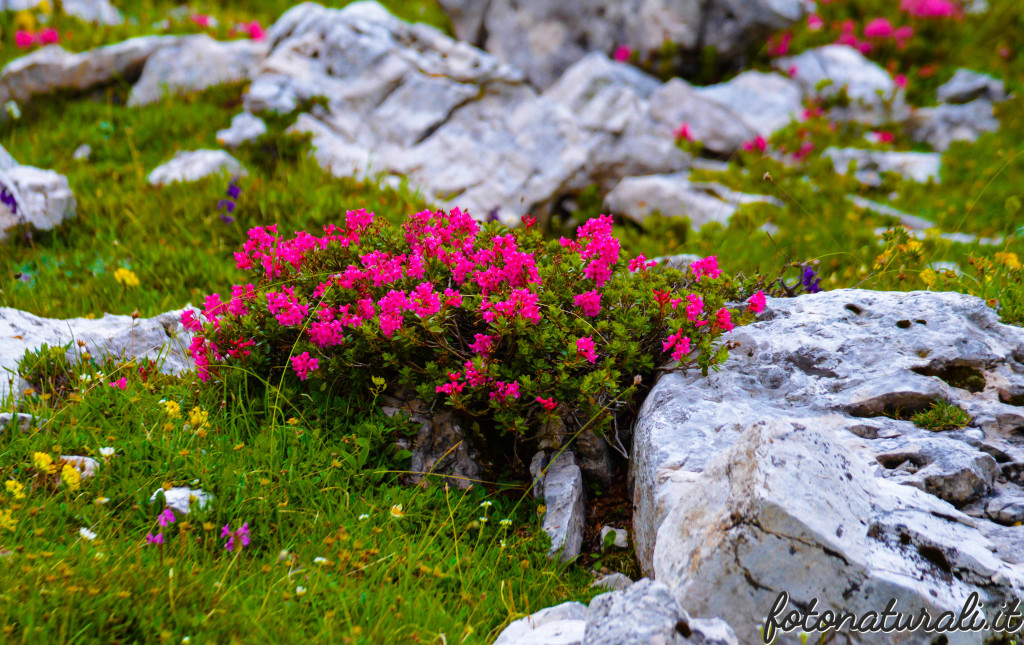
{"x": 228, "y": 204}
{"x": 473, "y": 315}
{"x": 25, "y": 39}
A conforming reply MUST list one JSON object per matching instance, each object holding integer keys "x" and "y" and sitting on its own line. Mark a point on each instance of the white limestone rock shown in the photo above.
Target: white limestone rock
{"x": 193, "y": 165}
{"x": 195, "y": 63}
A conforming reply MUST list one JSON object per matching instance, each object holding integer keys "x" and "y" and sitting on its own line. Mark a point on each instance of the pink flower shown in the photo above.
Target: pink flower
{"x": 303, "y": 365}
{"x": 155, "y": 539}
{"x": 722, "y": 320}
{"x": 24, "y": 39}
{"x": 256, "y": 32}
{"x": 482, "y": 343}
{"x": 590, "y": 302}
{"x": 883, "y": 137}
{"x": 49, "y": 36}
{"x": 585, "y": 348}
{"x": 165, "y": 518}
{"x": 929, "y": 8}
{"x": 640, "y": 263}
{"x": 121, "y": 383}
{"x": 779, "y": 46}
{"x": 505, "y": 391}
{"x": 814, "y": 22}
{"x": 679, "y": 342}
{"x": 900, "y": 80}
{"x": 622, "y": 53}
{"x": 190, "y": 322}
{"x": 879, "y": 28}
{"x": 902, "y": 35}
{"x": 548, "y": 403}
{"x": 694, "y": 307}
{"x": 757, "y": 302}
{"x": 201, "y": 19}
{"x": 706, "y": 267}
{"x": 758, "y": 143}
{"x": 242, "y": 534}
{"x": 529, "y": 221}
{"x": 682, "y": 133}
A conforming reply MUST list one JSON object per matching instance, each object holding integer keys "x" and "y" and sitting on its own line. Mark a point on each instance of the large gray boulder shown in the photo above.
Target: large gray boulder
{"x": 196, "y": 63}
{"x": 161, "y": 338}
{"x": 544, "y": 37}
{"x": 944, "y": 124}
{"x": 52, "y": 68}
{"x": 794, "y": 467}
{"x": 967, "y": 85}
{"x": 406, "y": 100}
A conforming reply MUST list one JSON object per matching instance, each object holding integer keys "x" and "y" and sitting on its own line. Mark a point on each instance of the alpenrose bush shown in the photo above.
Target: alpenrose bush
{"x": 493, "y": 322}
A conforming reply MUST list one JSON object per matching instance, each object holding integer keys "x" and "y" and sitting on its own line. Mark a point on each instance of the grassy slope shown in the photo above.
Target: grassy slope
{"x": 302, "y": 486}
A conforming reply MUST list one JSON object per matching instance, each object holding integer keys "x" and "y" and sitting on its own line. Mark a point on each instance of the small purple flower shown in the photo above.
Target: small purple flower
{"x": 242, "y": 533}
{"x": 227, "y": 219}
{"x": 811, "y": 284}
{"x": 7, "y": 198}
{"x": 234, "y": 191}
{"x": 226, "y": 204}
{"x": 154, "y": 539}
{"x": 167, "y": 517}
{"x": 493, "y": 215}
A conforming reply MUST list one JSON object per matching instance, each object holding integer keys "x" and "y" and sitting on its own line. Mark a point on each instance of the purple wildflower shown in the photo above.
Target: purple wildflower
{"x": 7, "y": 198}
{"x": 154, "y": 539}
{"x": 234, "y": 191}
{"x": 227, "y": 219}
{"x": 811, "y": 284}
{"x": 226, "y": 204}
{"x": 167, "y": 517}
{"x": 242, "y": 534}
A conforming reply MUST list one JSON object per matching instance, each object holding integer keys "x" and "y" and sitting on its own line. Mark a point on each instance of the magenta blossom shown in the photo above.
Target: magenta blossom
{"x": 759, "y": 143}
{"x": 622, "y": 53}
{"x": 165, "y": 518}
{"x": 548, "y": 403}
{"x": 879, "y": 28}
{"x": 585, "y": 348}
{"x": 154, "y": 539}
{"x": 589, "y": 301}
{"x": 757, "y": 302}
{"x": 121, "y": 383}
{"x": 303, "y": 365}
{"x": 241, "y": 534}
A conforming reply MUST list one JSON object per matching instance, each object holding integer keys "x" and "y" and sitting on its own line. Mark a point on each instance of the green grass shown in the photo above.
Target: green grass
{"x": 942, "y": 416}
{"x": 302, "y": 471}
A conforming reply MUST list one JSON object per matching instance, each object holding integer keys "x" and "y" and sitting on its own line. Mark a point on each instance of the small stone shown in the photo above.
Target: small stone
{"x": 180, "y": 499}
{"x": 82, "y": 152}
{"x": 244, "y": 127}
{"x": 612, "y": 582}
{"x": 193, "y": 165}
{"x": 620, "y": 539}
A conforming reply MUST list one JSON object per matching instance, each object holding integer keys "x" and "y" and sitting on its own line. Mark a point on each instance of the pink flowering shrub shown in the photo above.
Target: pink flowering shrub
{"x": 492, "y": 322}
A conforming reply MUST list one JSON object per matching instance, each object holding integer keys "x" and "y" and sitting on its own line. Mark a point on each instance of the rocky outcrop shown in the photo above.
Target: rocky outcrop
{"x": 795, "y": 468}
{"x": 873, "y": 95}
{"x": 869, "y": 165}
{"x": 161, "y": 338}
{"x": 546, "y": 38}
{"x": 640, "y": 614}
{"x": 195, "y": 63}
{"x": 193, "y": 165}
{"x": 675, "y": 195}
{"x": 52, "y": 68}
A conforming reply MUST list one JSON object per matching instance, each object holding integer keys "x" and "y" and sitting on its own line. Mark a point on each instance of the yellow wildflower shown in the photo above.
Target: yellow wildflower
{"x": 45, "y": 7}
{"x": 43, "y": 463}
{"x": 197, "y": 418}
{"x": 7, "y": 520}
{"x": 126, "y": 277}
{"x": 24, "y": 21}
{"x": 15, "y": 488}
{"x": 172, "y": 409}
{"x": 1009, "y": 260}
{"x": 71, "y": 476}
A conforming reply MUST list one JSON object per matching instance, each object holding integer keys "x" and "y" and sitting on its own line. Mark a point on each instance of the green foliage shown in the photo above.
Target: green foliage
{"x": 941, "y": 416}
{"x": 48, "y": 371}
